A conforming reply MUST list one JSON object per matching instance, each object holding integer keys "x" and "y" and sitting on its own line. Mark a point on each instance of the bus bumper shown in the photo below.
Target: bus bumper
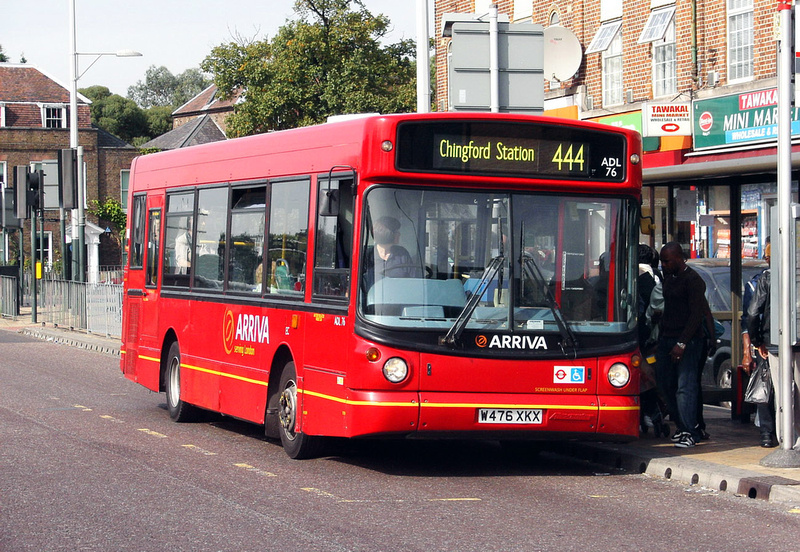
{"x": 531, "y": 415}
{"x": 524, "y": 416}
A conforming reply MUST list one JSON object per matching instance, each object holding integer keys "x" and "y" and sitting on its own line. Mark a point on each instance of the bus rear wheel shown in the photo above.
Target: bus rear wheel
{"x": 295, "y": 443}
{"x": 179, "y": 410}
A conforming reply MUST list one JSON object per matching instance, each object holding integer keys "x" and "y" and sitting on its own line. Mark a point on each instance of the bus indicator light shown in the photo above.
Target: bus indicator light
{"x": 373, "y": 354}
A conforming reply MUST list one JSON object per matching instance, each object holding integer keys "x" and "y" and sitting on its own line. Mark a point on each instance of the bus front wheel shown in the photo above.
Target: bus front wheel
{"x": 178, "y": 410}
{"x": 296, "y": 444}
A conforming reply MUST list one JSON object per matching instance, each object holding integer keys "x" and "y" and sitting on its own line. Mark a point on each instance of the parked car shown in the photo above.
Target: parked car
{"x": 717, "y": 372}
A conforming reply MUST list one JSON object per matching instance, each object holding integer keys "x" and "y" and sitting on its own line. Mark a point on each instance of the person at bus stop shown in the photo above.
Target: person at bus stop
{"x": 681, "y": 343}
{"x": 387, "y": 258}
{"x": 756, "y": 306}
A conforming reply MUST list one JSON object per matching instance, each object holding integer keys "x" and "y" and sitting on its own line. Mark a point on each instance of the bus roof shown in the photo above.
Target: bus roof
{"x": 346, "y": 143}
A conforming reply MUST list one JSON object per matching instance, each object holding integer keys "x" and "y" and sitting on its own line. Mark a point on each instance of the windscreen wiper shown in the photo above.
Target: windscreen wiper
{"x": 455, "y": 331}
{"x": 568, "y": 339}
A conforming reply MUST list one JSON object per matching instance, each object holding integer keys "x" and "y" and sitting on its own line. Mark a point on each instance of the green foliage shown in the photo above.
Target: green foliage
{"x": 328, "y": 62}
{"x": 110, "y": 211}
{"x": 161, "y": 88}
{"x": 115, "y": 114}
{"x": 159, "y": 119}
{"x": 3, "y": 56}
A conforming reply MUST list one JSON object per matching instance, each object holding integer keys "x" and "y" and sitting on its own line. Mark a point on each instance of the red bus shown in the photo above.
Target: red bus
{"x": 419, "y": 275}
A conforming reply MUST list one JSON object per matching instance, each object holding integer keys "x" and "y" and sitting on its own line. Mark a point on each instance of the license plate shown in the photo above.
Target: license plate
{"x": 509, "y": 416}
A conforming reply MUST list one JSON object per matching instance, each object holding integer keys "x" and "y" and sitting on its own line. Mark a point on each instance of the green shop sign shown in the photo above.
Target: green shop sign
{"x": 633, "y": 121}
{"x": 750, "y": 117}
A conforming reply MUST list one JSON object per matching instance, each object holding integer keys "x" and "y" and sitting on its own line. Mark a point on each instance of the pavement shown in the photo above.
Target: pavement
{"x": 730, "y": 461}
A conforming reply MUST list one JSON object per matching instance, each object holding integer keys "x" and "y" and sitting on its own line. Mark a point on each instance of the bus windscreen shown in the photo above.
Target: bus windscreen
{"x": 527, "y": 150}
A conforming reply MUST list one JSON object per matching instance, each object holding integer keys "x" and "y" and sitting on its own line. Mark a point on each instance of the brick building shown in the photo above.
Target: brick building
{"x": 34, "y": 126}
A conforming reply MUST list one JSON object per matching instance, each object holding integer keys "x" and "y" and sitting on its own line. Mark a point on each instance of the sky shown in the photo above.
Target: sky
{"x": 177, "y": 34}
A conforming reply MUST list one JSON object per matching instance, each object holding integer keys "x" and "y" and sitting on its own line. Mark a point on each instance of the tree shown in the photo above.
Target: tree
{"x": 115, "y": 114}
{"x": 328, "y": 62}
{"x": 162, "y": 88}
{"x": 110, "y": 211}
{"x": 3, "y": 56}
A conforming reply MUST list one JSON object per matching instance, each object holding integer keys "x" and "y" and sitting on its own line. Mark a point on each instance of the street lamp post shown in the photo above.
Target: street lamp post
{"x": 74, "y": 76}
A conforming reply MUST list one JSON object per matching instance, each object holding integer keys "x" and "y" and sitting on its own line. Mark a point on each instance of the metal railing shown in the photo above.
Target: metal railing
{"x": 9, "y": 297}
{"x": 96, "y": 308}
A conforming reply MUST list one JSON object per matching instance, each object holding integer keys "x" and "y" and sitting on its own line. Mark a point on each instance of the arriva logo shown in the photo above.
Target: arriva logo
{"x": 512, "y": 342}
{"x": 247, "y": 328}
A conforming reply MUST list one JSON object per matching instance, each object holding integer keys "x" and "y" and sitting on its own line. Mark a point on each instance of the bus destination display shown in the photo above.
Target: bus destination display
{"x": 511, "y": 149}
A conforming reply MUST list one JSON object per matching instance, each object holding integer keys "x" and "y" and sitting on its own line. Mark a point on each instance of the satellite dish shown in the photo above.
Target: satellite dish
{"x": 562, "y": 53}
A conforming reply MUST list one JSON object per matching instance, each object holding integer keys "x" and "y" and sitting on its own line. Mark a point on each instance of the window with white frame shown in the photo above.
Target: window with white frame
{"x": 53, "y": 116}
{"x": 657, "y": 24}
{"x": 2, "y": 114}
{"x": 665, "y": 68}
{"x": 124, "y": 179}
{"x": 604, "y": 36}
{"x": 45, "y": 254}
{"x": 740, "y": 40}
{"x": 612, "y": 72}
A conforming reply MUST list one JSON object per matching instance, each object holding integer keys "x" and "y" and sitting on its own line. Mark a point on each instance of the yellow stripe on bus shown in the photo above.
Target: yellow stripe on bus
{"x": 224, "y": 374}
{"x": 354, "y": 403}
{"x": 414, "y": 404}
{"x": 462, "y": 405}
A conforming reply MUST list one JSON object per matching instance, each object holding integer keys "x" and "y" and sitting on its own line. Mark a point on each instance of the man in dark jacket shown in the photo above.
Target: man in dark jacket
{"x": 758, "y": 315}
{"x": 681, "y": 343}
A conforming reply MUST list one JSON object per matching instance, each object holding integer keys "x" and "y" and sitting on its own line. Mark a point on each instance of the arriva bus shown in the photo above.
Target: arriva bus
{"x": 420, "y": 275}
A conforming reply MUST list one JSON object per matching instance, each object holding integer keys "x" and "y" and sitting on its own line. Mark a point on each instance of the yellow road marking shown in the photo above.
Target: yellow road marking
{"x": 153, "y": 433}
{"x": 200, "y": 450}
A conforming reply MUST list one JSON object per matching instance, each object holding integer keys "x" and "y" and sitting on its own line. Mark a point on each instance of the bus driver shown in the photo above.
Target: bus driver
{"x": 386, "y": 258}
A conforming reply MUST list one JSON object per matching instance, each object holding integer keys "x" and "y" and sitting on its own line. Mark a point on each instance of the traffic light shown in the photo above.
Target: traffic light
{"x": 36, "y": 189}
{"x": 29, "y": 190}
{"x": 67, "y": 178}
{"x": 21, "y": 190}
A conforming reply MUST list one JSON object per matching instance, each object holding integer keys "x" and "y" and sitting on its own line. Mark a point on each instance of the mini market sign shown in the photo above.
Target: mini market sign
{"x": 738, "y": 119}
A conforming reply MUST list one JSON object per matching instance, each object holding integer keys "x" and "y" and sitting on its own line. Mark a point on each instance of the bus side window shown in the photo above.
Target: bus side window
{"x": 153, "y": 237}
{"x": 334, "y": 238}
{"x": 288, "y": 237}
{"x": 178, "y": 239}
{"x": 208, "y": 252}
{"x": 137, "y": 231}
{"x": 245, "y": 267}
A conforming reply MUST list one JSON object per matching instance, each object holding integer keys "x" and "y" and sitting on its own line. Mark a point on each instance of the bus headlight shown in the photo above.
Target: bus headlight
{"x": 395, "y": 369}
{"x": 619, "y": 375}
